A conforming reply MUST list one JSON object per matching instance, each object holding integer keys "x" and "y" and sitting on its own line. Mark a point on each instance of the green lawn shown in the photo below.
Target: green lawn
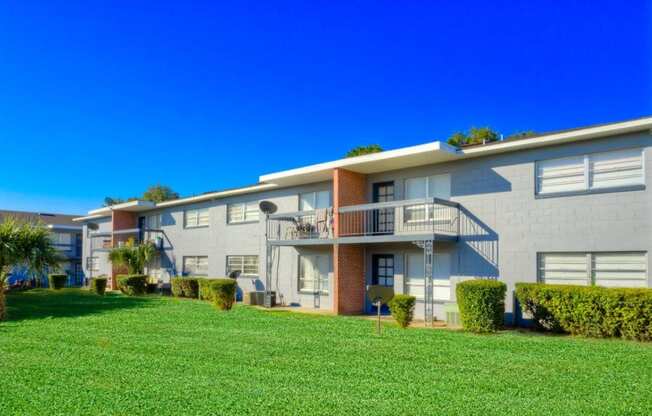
{"x": 70, "y": 352}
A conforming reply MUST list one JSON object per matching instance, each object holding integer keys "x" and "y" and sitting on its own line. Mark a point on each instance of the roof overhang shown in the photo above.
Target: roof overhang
{"x": 214, "y": 195}
{"x": 90, "y": 217}
{"x": 407, "y": 157}
{"x": 63, "y": 227}
{"x": 587, "y": 133}
{"x": 438, "y": 152}
{"x": 131, "y": 206}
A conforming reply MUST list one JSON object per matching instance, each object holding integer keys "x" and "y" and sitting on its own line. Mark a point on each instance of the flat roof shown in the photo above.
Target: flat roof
{"x": 406, "y": 157}
{"x": 438, "y": 152}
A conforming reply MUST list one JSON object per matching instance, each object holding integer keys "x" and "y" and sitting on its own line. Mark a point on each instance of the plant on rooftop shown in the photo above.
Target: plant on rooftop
{"x": 476, "y": 135}
{"x": 364, "y": 150}
{"x": 24, "y": 244}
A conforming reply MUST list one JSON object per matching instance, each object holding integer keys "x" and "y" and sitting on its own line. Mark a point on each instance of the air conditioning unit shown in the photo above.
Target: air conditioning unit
{"x": 453, "y": 318}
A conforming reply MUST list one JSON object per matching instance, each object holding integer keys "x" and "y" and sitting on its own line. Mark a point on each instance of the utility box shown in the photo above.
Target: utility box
{"x": 270, "y": 299}
{"x": 254, "y": 298}
{"x": 453, "y": 318}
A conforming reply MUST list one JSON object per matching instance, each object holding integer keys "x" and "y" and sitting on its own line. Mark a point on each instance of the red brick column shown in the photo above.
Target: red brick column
{"x": 120, "y": 220}
{"x": 349, "y": 188}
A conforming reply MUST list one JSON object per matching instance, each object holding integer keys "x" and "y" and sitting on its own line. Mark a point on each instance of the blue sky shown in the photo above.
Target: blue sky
{"x": 107, "y": 98}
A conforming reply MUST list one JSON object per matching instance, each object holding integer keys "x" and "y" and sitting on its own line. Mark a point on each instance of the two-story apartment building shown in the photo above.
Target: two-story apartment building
{"x": 565, "y": 207}
{"x": 66, "y": 237}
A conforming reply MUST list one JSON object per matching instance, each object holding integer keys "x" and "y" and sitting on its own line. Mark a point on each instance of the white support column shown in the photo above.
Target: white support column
{"x": 428, "y": 296}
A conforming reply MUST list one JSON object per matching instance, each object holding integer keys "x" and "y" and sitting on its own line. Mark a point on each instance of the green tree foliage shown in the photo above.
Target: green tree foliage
{"x": 364, "y": 150}
{"x": 133, "y": 256}
{"x": 521, "y": 135}
{"x": 155, "y": 193}
{"x": 24, "y": 244}
{"x": 476, "y": 135}
{"x": 159, "y": 193}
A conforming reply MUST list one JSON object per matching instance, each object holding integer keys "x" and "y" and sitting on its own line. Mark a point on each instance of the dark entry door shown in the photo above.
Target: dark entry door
{"x": 383, "y": 218}
{"x": 382, "y": 270}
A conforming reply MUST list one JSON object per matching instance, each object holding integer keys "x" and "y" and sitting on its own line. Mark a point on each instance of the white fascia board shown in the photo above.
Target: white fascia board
{"x": 65, "y": 227}
{"x": 138, "y": 205}
{"x": 562, "y": 137}
{"x": 216, "y": 195}
{"x": 90, "y": 217}
{"x": 371, "y": 163}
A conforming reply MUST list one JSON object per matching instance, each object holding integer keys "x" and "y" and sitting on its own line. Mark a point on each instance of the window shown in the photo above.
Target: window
{"x": 415, "y": 272}
{"x": 242, "y": 212}
{"x": 246, "y": 265}
{"x": 314, "y": 273}
{"x": 437, "y": 186}
{"x": 93, "y": 264}
{"x": 195, "y": 265}
{"x": 314, "y": 200}
{"x": 625, "y": 269}
{"x": 61, "y": 241}
{"x": 196, "y": 218}
{"x": 595, "y": 171}
{"x": 153, "y": 222}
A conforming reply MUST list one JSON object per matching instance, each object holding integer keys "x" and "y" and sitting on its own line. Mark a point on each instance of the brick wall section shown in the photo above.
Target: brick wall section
{"x": 349, "y": 188}
{"x": 348, "y": 268}
{"x": 121, "y": 220}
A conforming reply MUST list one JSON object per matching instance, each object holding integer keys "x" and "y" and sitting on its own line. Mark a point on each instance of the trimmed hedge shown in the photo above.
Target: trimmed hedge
{"x": 133, "y": 284}
{"x": 205, "y": 292}
{"x": 402, "y": 309}
{"x": 591, "y": 311}
{"x": 186, "y": 287}
{"x": 223, "y": 293}
{"x": 98, "y": 285}
{"x": 482, "y": 304}
{"x": 57, "y": 281}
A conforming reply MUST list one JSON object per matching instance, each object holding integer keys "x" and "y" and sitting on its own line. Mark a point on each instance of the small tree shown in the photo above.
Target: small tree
{"x": 364, "y": 150}
{"x": 160, "y": 193}
{"x": 133, "y": 256}
{"x": 476, "y": 135}
{"x": 24, "y": 244}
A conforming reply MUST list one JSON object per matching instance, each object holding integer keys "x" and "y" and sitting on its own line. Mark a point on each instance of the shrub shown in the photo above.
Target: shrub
{"x": 482, "y": 304}
{"x": 57, "y": 281}
{"x": 402, "y": 309}
{"x": 205, "y": 292}
{"x": 133, "y": 284}
{"x": 187, "y": 287}
{"x": 223, "y": 293}
{"x": 591, "y": 311}
{"x": 175, "y": 287}
{"x": 98, "y": 285}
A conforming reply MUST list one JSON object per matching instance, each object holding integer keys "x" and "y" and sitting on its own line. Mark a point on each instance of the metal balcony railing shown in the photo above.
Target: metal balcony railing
{"x": 107, "y": 240}
{"x": 301, "y": 225}
{"x": 407, "y": 217}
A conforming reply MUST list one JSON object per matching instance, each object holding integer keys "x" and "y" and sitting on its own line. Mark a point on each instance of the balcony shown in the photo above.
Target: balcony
{"x": 408, "y": 220}
{"x": 105, "y": 241}
{"x": 301, "y": 228}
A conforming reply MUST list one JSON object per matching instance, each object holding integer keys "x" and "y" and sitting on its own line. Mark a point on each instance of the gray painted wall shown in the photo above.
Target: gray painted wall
{"x": 503, "y": 225}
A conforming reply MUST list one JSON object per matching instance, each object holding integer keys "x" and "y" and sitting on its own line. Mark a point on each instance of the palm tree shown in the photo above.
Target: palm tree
{"x": 133, "y": 256}
{"x": 24, "y": 244}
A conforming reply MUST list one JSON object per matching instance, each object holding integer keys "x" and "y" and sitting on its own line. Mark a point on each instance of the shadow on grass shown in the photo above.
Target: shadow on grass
{"x": 65, "y": 303}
